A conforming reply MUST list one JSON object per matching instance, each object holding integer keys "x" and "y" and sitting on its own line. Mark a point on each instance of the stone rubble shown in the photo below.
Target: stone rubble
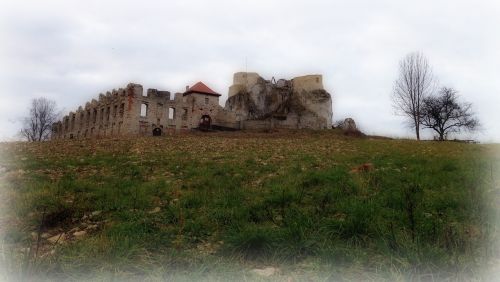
{"x": 266, "y": 272}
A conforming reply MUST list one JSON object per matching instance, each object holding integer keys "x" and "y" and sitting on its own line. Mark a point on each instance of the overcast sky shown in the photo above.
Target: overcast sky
{"x": 70, "y": 51}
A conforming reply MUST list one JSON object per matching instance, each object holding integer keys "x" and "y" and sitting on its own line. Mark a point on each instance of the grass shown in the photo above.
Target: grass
{"x": 214, "y": 206}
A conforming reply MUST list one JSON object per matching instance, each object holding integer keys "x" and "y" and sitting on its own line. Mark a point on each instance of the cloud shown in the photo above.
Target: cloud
{"x": 70, "y": 51}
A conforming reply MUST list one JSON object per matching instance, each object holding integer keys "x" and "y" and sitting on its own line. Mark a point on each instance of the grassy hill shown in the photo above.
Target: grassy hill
{"x": 214, "y": 206}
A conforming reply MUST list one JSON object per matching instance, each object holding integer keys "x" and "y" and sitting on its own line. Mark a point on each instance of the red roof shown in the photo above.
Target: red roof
{"x": 201, "y": 88}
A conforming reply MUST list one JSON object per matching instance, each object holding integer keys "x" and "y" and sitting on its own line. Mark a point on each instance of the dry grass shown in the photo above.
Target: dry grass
{"x": 212, "y": 206}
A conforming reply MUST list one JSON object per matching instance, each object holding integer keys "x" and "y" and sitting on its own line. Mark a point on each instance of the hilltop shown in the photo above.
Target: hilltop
{"x": 310, "y": 204}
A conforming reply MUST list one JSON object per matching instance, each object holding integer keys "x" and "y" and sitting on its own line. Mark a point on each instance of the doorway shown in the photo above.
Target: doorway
{"x": 205, "y": 122}
{"x": 157, "y": 131}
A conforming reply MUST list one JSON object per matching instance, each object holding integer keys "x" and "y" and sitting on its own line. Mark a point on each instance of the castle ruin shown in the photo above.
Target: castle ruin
{"x": 253, "y": 103}
{"x": 301, "y": 102}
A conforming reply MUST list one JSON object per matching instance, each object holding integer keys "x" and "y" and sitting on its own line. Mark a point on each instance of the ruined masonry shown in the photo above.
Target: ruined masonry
{"x": 253, "y": 103}
{"x": 301, "y": 102}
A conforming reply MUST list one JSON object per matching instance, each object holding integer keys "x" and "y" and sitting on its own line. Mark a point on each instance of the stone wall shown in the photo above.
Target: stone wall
{"x": 128, "y": 112}
{"x": 241, "y": 80}
{"x": 307, "y": 83}
{"x": 109, "y": 115}
{"x": 228, "y": 119}
{"x": 200, "y": 105}
{"x": 253, "y": 103}
{"x": 298, "y": 103}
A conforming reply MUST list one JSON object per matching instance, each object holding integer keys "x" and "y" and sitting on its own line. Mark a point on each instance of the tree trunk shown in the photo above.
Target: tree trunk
{"x": 441, "y": 135}
{"x": 417, "y": 129}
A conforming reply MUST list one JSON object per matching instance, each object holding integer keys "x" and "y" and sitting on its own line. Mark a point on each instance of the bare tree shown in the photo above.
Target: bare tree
{"x": 443, "y": 114}
{"x": 38, "y": 125}
{"x": 414, "y": 83}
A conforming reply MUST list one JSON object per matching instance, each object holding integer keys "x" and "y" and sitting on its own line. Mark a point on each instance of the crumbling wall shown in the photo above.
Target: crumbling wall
{"x": 103, "y": 117}
{"x": 241, "y": 80}
{"x": 116, "y": 113}
{"x": 227, "y": 119}
{"x": 131, "y": 112}
{"x": 200, "y": 105}
{"x": 298, "y": 103}
{"x": 253, "y": 103}
{"x": 148, "y": 112}
{"x": 307, "y": 83}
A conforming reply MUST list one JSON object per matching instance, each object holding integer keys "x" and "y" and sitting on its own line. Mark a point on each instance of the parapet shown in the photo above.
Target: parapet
{"x": 154, "y": 93}
{"x": 308, "y": 83}
{"x": 246, "y": 78}
{"x": 243, "y": 80}
{"x": 134, "y": 89}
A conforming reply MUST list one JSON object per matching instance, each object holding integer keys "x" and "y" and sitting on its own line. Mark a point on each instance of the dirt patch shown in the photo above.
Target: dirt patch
{"x": 60, "y": 217}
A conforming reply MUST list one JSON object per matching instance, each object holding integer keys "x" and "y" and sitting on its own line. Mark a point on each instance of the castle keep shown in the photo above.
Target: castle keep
{"x": 301, "y": 102}
{"x": 253, "y": 103}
